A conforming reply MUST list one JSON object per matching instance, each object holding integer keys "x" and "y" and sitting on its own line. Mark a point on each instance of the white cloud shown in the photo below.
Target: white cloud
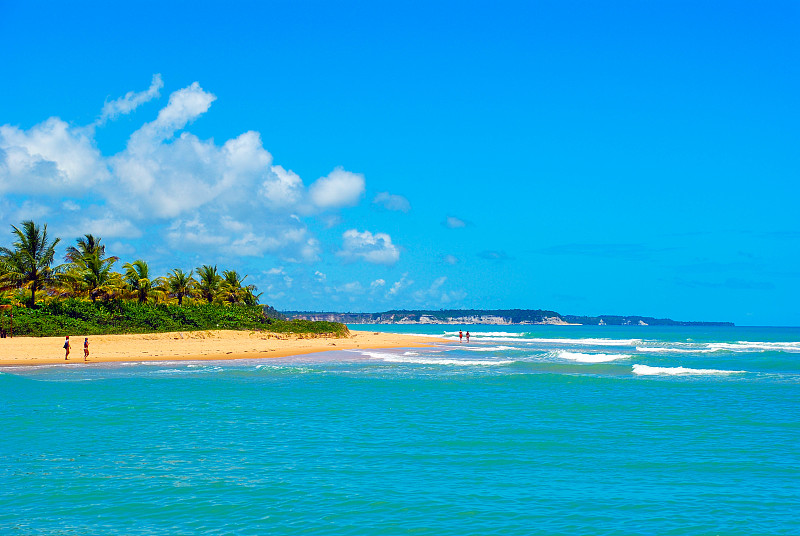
{"x": 377, "y": 284}
{"x": 121, "y": 248}
{"x": 399, "y": 286}
{"x": 351, "y": 288}
{"x": 181, "y": 192}
{"x": 184, "y": 105}
{"x": 377, "y": 248}
{"x": 131, "y": 101}
{"x": 31, "y": 210}
{"x": 51, "y": 158}
{"x": 451, "y": 259}
{"x": 282, "y": 188}
{"x": 392, "y": 202}
{"x": 105, "y": 225}
{"x": 454, "y": 223}
{"x": 435, "y": 294}
{"x": 340, "y": 188}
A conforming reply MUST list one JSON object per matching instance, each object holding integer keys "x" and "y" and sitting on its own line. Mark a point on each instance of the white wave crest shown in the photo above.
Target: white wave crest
{"x": 484, "y": 334}
{"x": 645, "y": 370}
{"x": 747, "y": 346}
{"x": 489, "y": 348}
{"x": 497, "y": 339}
{"x": 589, "y": 358}
{"x": 590, "y": 342}
{"x": 663, "y": 349}
{"x": 394, "y": 358}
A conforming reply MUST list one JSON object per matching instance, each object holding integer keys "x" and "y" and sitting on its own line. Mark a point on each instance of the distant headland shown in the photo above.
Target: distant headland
{"x": 491, "y": 316}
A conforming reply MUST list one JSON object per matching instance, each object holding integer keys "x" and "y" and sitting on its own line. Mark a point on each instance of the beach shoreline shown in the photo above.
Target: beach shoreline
{"x": 194, "y": 346}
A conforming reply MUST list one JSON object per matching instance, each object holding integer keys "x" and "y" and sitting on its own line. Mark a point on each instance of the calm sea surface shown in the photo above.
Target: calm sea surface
{"x": 523, "y": 430}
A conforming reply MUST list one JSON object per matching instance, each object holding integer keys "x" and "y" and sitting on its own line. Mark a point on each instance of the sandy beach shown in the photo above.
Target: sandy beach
{"x": 193, "y": 345}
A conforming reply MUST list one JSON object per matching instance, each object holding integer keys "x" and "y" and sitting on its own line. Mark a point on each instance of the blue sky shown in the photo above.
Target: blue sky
{"x": 585, "y": 157}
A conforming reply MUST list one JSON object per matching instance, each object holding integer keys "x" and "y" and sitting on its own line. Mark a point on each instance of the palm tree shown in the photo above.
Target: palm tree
{"x": 88, "y": 245}
{"x": 232, "y": 286}
{"x": 181, "y": 284}
{"x": 28, "y": 265}
{"x": 250, "y": 297}
{"x": 137, "y": 276}
{"x": 90, "y": 271}
{"x": 234, "y": 290}
{"x": 96, "y": 275}
{"x": 209, "y": 283}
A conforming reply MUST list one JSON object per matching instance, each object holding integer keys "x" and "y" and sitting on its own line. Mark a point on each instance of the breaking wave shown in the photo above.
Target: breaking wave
{"x": 645, "y": 370}
{"x": 590, "y": 358}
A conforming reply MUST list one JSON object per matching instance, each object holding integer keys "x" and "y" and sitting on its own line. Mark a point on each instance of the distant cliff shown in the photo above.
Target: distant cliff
{"x": 497, "y": 316}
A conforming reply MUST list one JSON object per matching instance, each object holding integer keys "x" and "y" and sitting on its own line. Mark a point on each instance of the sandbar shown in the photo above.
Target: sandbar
{"x": 194, "y": 346}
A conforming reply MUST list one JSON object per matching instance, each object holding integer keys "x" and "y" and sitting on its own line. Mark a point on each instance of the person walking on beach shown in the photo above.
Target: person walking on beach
{"x": 85, "y": 349}
{"x": 468, "y": 337}
{"x": 66, "y": 348}
{"x": 460, "y": 335}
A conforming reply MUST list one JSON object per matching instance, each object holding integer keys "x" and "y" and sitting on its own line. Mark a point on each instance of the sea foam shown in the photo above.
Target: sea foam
{"x": 645, "y": 370}
{"x": 666, "y": 349}
{"x": 747, "y": 346}
{"x": 590, "y": 342}
{"x": 394, "y": 358}
{"x": 589, "y": 358}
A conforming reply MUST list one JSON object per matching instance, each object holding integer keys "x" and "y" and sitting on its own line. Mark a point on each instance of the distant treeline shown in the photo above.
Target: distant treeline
{"x": 511, "y": 316}
{"x": 616, "y": 320}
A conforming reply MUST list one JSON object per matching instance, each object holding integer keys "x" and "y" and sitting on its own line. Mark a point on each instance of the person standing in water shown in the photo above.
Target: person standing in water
{"x": 85, "y": 349}
{"x": 66, "y": 348}
{"x": 460, "y": 335}
{"x": 468, "y": 337}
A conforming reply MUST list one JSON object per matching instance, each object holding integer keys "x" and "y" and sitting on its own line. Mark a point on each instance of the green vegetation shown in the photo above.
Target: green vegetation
{"x": 83, "y": 317}
{"x": 28, "y": 265}
{"x": 85, "y": 296}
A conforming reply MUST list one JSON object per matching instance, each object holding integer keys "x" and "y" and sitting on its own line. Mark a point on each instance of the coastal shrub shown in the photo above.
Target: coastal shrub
{"x": 82, "y": 317}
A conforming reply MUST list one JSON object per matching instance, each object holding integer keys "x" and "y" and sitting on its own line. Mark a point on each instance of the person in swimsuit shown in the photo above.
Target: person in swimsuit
{"x": 85, "y": 348}
{"x": 66, "y": 348}
{"x": 460, "y": 335}
{"x": 468, "y": 336}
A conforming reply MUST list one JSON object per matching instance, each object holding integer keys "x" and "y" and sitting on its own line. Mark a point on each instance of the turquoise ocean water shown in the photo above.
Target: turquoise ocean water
{"x": 523, "y": 430}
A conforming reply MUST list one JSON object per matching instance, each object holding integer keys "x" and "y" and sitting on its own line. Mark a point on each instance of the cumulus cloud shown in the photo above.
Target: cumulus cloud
{"x": 175, "y": 189}
{"x": 340, "y": 188}
{"x": 184, "y": 106}
{"x": 392, "y": 202}
{"x": 51, "y": 158}
{"x": 377, "y": 248}
{"x": 282, "y": 189}
{"x": 132, "y": 100}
